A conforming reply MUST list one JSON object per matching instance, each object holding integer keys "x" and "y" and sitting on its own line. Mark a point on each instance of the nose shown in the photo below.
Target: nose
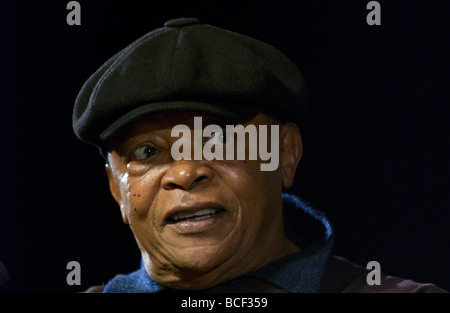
{"x": 186, "y": 174}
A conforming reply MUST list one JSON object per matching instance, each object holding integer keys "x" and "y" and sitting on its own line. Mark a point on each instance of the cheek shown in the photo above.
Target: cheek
{"x": 239, "y": 173}
{"x": 257, "y": 196}
{"x": 139, "y": 193}
{"x": 254, "y": 189}
{"x": 247, "y": 175}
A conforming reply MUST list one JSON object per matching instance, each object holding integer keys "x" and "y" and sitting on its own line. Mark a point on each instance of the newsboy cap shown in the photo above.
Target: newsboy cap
{"x": 188, "y": 66}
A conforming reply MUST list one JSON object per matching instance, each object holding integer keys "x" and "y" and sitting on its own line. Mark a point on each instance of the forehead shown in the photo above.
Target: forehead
{"x": 161, "y": 122}
{"x": 167, "y": 120}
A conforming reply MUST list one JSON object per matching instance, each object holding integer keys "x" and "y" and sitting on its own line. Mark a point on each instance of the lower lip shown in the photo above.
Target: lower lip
{"x": 200, "y": 226}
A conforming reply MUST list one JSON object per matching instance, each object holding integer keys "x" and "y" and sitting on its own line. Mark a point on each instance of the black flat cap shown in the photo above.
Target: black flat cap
{"x": 188, "y": 66}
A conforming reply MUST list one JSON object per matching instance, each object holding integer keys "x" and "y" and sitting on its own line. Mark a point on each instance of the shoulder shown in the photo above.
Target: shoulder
{"x": 101, "y": 288}
{"x": 95, "y": 289}
{"x": 343, "y": 276}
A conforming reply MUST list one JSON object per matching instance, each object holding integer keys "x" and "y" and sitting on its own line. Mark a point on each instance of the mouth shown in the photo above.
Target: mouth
{"x": 194, "y": 216}
{"x": 197, "y": 218}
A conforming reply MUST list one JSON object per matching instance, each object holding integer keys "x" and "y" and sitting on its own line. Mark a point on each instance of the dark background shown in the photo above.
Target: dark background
{"x": 376, "y": 156}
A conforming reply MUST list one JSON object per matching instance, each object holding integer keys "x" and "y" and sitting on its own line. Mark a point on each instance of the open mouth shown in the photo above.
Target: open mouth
{"x": 192, "y": 216}
{"x": 200, "y": 217}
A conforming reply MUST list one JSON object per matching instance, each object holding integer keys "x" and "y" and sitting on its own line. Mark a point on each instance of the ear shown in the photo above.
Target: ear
{"x": 291, "y": 150}
{"x": 115, "y": 191}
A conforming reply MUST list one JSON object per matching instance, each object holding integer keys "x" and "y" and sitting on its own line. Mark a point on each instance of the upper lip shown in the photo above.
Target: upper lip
{"x": 192, "y": 208}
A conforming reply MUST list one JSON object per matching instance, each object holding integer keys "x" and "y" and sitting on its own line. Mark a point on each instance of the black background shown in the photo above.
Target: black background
{"x": 376, "y": 155}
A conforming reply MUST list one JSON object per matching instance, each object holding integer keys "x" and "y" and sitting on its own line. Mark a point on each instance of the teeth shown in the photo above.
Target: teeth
{"x": 197, "y": 215}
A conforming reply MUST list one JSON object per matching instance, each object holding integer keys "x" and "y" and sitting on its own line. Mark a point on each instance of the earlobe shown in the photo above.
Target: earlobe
{"x": 115, "y": 192}
{"x": 291, "y": 150}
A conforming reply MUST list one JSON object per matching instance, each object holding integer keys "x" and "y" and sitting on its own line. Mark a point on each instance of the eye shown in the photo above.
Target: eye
{"x": 144, "y": 152}
{"x": 219, "y": 138}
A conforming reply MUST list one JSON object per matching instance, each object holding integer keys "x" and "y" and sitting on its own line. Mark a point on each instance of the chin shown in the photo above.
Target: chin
{"x": 201, "y": 259}
{"x": 193, "y": 272}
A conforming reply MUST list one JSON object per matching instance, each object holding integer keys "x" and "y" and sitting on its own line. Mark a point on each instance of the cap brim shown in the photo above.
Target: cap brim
{"x": 227, "y": 112}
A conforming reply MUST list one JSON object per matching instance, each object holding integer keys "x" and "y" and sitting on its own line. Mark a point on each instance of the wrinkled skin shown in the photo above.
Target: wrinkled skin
{"x": 247, "y": 234}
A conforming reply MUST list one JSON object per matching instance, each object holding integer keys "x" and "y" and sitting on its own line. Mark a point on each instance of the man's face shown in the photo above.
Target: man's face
{"x": 197, "y": 222}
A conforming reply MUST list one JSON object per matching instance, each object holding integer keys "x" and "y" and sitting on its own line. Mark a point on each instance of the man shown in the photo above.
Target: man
{"x": 220, "y": 222}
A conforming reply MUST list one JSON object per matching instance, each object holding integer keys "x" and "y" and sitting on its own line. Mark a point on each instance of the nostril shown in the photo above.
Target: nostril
{"x": 180, "y": 185}
{"x": 185, "y": 174}
{"x": 171, "y": 186}
{"x": 200, "y": 178}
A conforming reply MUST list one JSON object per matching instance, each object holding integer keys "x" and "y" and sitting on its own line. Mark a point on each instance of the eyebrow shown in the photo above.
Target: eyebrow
{"x": 207, "y": 120}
